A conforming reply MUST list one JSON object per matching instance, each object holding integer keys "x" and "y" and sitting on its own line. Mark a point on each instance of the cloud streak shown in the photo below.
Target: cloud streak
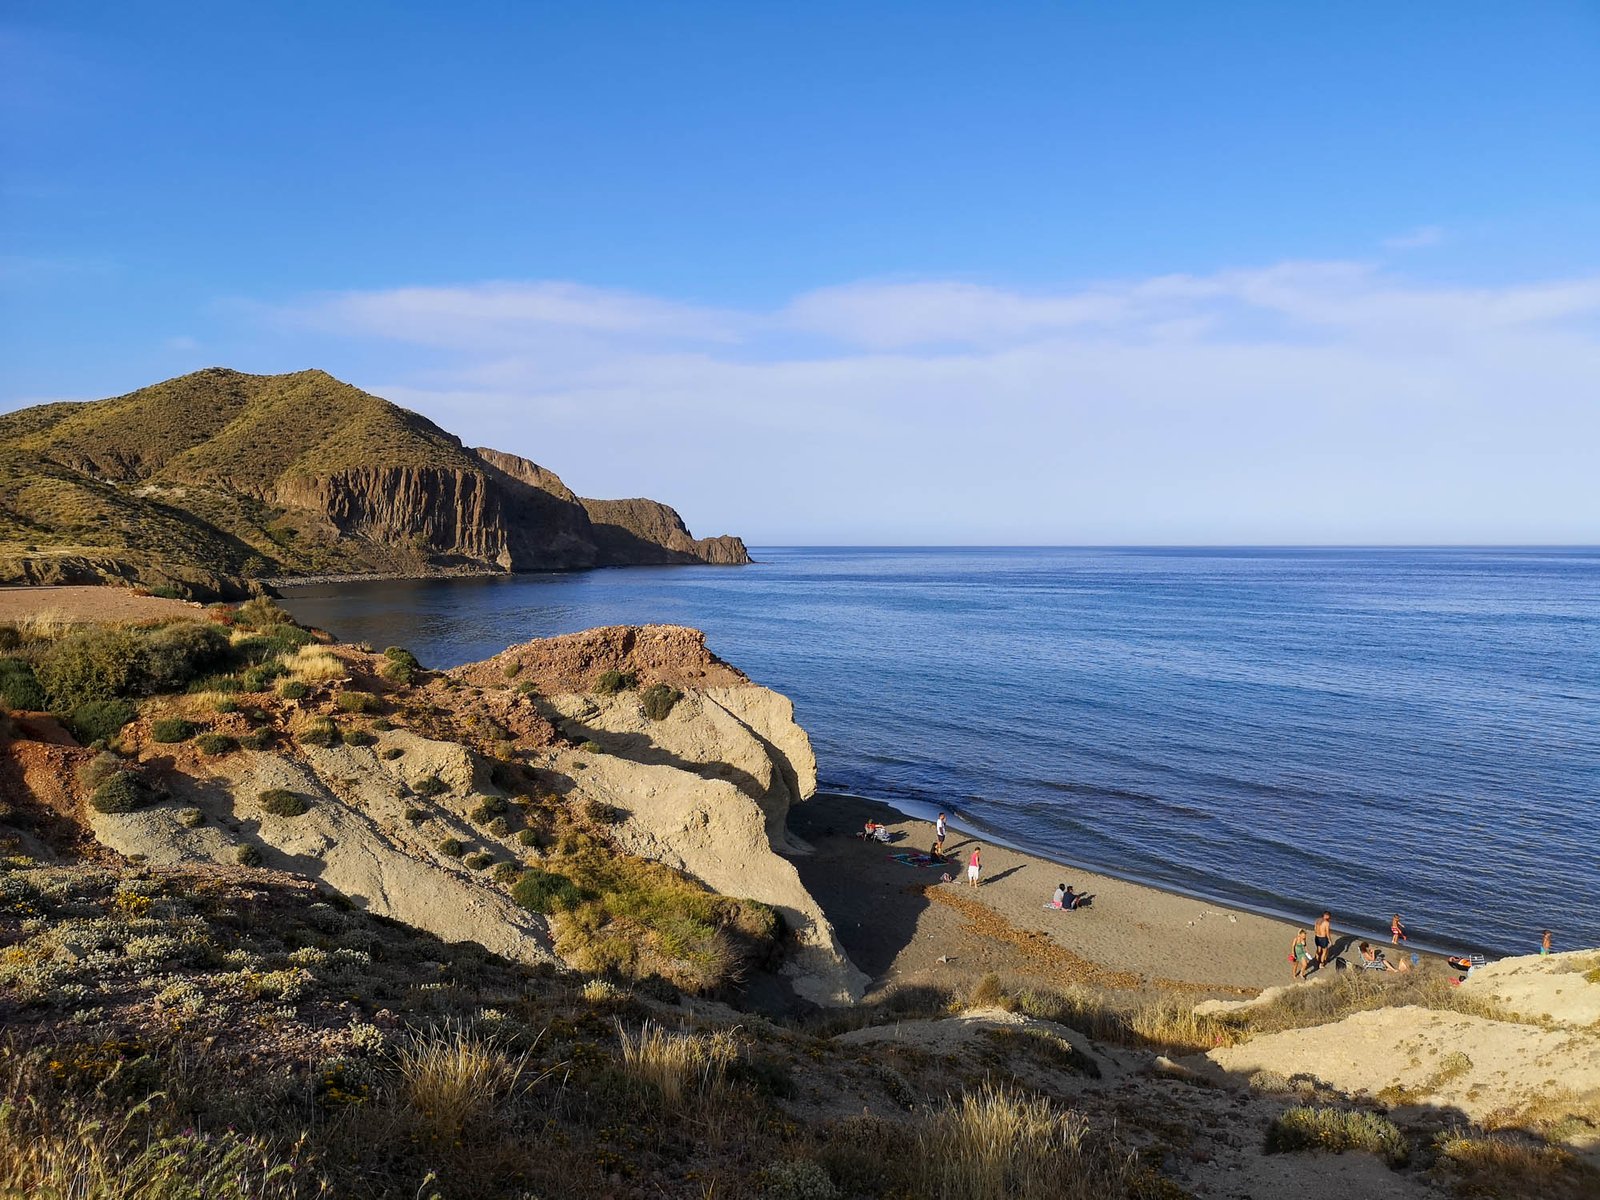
{"x": 1298, "y": 401}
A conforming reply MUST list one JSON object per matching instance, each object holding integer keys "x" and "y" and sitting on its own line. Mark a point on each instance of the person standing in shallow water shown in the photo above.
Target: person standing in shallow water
{"x": 974, "y": 866}
{"x": 1324, "y": 932}
{"x": 938, "y": 834}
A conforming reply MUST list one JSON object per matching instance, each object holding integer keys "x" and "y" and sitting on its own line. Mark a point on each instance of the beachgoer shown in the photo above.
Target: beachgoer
{"x": 1374, "y": 958}
{"x": 938, "y": 832}
{"x": 1060, "y": 896}
{"x": 1544, "y": 943}
{"x": 1397, "y": 931}
{"x": 1300, "y": 955}
{"x": 1324, "y": 934}
{"x": 934, "y": 854}
{"x": 974, "y": 866}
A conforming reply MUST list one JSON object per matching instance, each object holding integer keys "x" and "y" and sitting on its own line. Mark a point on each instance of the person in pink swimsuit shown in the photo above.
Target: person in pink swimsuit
{"x": 974, "y": 867}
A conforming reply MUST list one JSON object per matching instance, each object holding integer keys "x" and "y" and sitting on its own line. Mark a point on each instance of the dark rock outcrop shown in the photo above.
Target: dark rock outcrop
{"x": 647, "y": 531}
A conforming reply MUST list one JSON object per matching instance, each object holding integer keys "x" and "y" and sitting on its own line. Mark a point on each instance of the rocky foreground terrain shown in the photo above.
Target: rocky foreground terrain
{"x": 283, "y": 917}
{"x": 205, "y": 483}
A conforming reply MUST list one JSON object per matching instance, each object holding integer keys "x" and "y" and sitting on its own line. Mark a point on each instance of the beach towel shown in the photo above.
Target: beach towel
{"x": 913, "y": 860}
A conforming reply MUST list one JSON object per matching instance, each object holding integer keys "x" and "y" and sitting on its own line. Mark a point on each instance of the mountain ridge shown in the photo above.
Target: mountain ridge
{"x": 213, "y": 481}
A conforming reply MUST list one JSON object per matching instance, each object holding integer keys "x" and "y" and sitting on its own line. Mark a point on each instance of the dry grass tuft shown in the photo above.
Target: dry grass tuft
{"x": 683, "y": 1067}
{"x": 65, "y": 1152}
{"x": 452, "y": 1079}
{"x": 315, "y": 664}
{"x": 998, "y": 1144}
{"x": 1479, "y": 1164}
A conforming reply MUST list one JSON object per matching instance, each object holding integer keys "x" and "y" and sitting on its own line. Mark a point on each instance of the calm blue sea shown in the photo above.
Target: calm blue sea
{"x": 1370, "y": 730}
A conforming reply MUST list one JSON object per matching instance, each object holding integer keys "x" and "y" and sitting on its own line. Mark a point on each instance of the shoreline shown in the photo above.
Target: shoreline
{"x": 904, "y": 928}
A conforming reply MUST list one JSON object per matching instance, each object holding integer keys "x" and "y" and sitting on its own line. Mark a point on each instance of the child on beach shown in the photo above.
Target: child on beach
{"x": 1300, "y": 954}
{"x": 974, "y": 867}
{"x": 1398, "y": 930}
{"x": 1544, "y": 943}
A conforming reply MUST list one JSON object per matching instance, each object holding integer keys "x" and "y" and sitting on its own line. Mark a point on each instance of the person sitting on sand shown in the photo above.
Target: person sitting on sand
{"x": 875, "y": 832}
{"x": 1544, "y": 943}
{"x": 934, "y": 856}
{"x": 1300, "y": 955}
{"x": 1058, "y": 898}
{"x": 1075, "y": 899}
{"x": 1372, "y": 958}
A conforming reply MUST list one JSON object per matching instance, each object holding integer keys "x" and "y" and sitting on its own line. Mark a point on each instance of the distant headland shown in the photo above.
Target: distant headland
{"x": 207, "y": 484}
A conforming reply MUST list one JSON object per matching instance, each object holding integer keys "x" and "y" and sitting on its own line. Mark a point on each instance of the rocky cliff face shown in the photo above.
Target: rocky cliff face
{"x": 251, "y": 476}
{"x": 647, "y": 531}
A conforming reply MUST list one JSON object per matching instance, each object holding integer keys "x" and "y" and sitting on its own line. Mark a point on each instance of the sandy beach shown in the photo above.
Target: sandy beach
{"x": 904, "y": 928}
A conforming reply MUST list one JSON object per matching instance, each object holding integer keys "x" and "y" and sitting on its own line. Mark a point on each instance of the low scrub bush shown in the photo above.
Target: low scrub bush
{"x": 546, "y": 892}
{"x": 430, "y": 785}
{"x": 171, "y": 729}
{"x": 281, "y": 802}
{"x": 1334, "y": 1130}
{"x": 314, "y": 664}
{"x": 216, "y": 685}
{"x": 123, "y": 792}
{"x": 452, "y": 847}
{"x": 99, "y": 769}
{"x": 360, "y": 737}
{"x": 659, "y": 700}
{"x": 19, "y": 687}
{"x": 352, "y": 701}
{"x": 487, "y": 810}
{"x": 390, "y": 753}
{"x": 90, "y": 664}
{"x": 479, "y": 861}
{"x": 507, "y": 873}
{"x": 216, "y": 743}
{"x": 100, "y": 720}
{"x": 1487, "y": 1164}
{"x": 399, "y": 666}
{"x": 247, "y": 856}
{"x": 294, "y": 689}
{"x": 174, "y": 655}
{"x": 611, "y": 682}
{"x": 259, "y": 739}
{"x": 260, "y": 612}
{"x": 319, "y": 731}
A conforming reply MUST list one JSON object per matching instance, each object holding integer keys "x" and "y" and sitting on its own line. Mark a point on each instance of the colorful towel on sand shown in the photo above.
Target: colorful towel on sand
{"x": 913, "y": 860}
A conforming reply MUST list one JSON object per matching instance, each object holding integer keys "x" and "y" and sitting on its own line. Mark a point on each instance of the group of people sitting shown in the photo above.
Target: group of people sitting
{"x": 1067, "y": 897}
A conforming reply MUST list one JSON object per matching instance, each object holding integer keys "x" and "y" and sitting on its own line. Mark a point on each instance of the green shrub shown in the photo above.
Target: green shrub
{"x": 19, "y": 687}
{"x": 260, "y": 612}
{"x": 99, "y": 769}
{"x": 454, "y": 847}
{"x": 322, "y": 732}
{"x": 611, "y": 682}
{"x": 259, "y": 678}
{"x": 600, "y": 812}
{"x": 659, "y": 699}
{"x": 175, "y": 654}
{"x": 90, "y": 664}
{"x": 527, "y": 837}
{"x": 400, "y": 654}
{"x": 352, "y": 701}
{"x": 392, "y": 752}
{"x": 359, "y": 737}
{"x": 487, "y": 810}
{"x": 216, "y": 743}
{"x": 293, "y": 689}
{"x": 399, "y": 666}
{"x": 1336, "y": 1131}
{"x": 227, "y": 684}
{"x": 122, "y": 793}
{"x": 167, "y": 592}
{"x": 546, "y": 892}
{"x": 415, "y": 815}
{"x": 285, "y": 638}
{"x": 500, "y": 827}
{"x": 99, "y": 720}
{"x": 191, "y": 818}
{"x": 171, "y": 729}
{"x": 281, "y": 802}
{"x": 247, "y": 856}
{"x": 507, "y": 872}
{"x": 10, "y": 637}
{"x": 430, "y": 785}
{"x": 591, "y": 747}
{"x": 226, "y": 705}
{"x": 259, "y": 739}
{"x": 527, "y": 688}
{"x": 479, "y": 861}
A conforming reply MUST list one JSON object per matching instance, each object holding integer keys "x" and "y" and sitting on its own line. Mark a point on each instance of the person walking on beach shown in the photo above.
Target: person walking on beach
{"x": 1398, "y": 930}
{"x": 1324, "y": 931}
{"x": 1300, "y": 955}
{"x": 938, "y": 833}
{"x": 974, "y": 866}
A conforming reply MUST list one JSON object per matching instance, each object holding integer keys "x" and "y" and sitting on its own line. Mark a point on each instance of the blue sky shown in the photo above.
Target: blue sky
{"x": 911, "y": 272}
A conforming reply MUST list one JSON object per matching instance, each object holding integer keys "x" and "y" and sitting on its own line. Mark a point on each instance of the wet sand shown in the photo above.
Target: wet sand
{"x": 898, "y": 921}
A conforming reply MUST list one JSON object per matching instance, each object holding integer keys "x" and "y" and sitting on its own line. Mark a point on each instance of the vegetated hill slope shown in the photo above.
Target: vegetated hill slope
{"x": 218, "y": 477}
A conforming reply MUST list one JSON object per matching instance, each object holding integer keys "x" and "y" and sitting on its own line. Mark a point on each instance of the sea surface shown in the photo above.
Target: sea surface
{"x": 1367, "y": 730}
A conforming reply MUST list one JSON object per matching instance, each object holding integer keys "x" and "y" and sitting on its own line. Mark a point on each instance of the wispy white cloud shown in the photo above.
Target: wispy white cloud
{"x": 1295, "y": 401}
{"x": 1417, "y": 239}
